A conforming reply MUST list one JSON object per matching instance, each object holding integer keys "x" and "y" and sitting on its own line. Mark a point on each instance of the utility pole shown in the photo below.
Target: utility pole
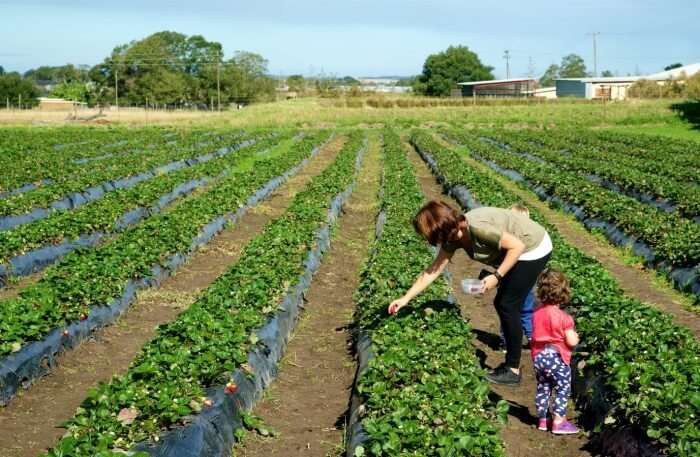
{"x": 530, "y": 68}
{"x": 595, "y": 52}
{"x": 506, "y": 55}
{"x": 116, "y": 87}
{"x": 218, "y": 81}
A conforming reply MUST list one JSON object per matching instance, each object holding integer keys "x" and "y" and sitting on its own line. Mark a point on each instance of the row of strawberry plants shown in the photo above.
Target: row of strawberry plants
{"x": 109, "y": 213}
{"x": 683, "y": 195}
{"x": 80, "y": 177}
{"x": 639, "y": 152}
{"x": 423, "y": 390}
{"x": 199, "y": 350}
{"x": 681, "y": 152}
{"x": 83, "y": 279}
{"x": 35, "y": 155}
{"x": 674, "y": 240}
{"x": 649, "y": 365}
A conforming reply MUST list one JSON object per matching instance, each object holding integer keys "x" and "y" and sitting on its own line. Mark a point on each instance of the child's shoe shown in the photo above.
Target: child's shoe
{"x": 544, "y": 424}
{"x": 564, "y": 428}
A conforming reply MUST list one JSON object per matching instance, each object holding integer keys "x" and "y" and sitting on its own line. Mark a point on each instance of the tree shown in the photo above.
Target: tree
{"x": 607, "y": 74}
{"x": 572, "y": 66}
{"x": 673, "y": 66}
{"x": 246, "y": 78}
{"x": 442, "y": 71}
{"x": 14, "y": 88}
{"x": 296, "y": 83}
{"x": 552, "y": 73}
{"x": 76, "y": 91}
{"x": 2, "y": 70}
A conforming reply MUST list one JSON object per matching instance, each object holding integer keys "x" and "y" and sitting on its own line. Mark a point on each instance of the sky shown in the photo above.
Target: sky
{"x": 363, "y": 37}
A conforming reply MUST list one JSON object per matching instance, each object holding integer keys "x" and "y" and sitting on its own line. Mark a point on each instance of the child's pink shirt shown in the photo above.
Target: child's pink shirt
{"x": 548, "y": 326}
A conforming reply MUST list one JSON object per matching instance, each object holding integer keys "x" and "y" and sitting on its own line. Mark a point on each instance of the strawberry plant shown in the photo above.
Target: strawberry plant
{"x": 204, "y": 344}
{"x": 649, "y": 364}
{"x": 95, "y": 277}
{"x": 423, "y": 391}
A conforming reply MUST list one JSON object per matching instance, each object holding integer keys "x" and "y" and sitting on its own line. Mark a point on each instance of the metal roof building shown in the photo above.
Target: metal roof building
{"x": 615, "y": 88}
{"x": 513, "y": 87}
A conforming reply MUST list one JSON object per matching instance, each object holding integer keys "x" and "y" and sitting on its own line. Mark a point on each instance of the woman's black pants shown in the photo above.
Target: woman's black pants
{"x": 510, "y": 297}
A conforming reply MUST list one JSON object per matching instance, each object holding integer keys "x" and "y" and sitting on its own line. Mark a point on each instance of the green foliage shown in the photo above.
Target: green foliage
{"x": 572, "y": 66}
{"x": 76, "y": 91}
{"x": 673, "y": 66}
{"x": 674, "y": 239}
{"x": 442, "y": 71}
{"x": 423, "y": 389}
{"x": 178, "y": 70}
{"x": 95, "y": 277}
{"x": 552, "y": 73}
{"x": 15, "y": 89}
{"x": 649, "y": 365}
{"x": 207, "y": 342}
{"x": 296, "y": 83}
{"x": 607, "y": 74}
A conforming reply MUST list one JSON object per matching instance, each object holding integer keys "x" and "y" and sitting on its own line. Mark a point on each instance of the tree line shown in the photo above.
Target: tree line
{"x": 164, "y": 69}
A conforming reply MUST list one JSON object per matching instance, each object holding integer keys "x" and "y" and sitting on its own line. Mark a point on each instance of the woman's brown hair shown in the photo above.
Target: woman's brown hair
{"x": 553, "y": 288}
{"x": 438, "y": 222}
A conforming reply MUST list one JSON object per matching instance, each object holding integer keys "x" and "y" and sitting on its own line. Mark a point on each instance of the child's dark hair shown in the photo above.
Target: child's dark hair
{"x": 553, "y": 287}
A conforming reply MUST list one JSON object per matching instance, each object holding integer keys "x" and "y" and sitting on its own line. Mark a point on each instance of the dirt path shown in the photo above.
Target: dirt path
{"x": 30, "y": 423}
{"x": 308, "y": 401}
{"x": 636, "y": 281}
{"x": 521, "y": 436}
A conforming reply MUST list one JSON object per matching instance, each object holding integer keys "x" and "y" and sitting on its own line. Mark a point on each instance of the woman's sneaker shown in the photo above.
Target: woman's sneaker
{"x": 564, "y": 428}
{"x": 503, "y": 375}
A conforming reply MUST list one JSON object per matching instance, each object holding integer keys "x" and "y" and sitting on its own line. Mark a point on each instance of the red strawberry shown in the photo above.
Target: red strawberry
{"x": 66, "y": 333}
{"x": 208, "y": 402}
{"x": 231, "y": 388}
{"x": 83, "y": 316}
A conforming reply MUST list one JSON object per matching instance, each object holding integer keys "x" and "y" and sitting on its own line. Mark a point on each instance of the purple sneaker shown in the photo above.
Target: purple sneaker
{"x": 564, "y": 428}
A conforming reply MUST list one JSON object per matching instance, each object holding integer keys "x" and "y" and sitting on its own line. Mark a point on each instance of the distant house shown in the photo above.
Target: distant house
{"x": 58, "y": 104}
{"x": 616, "y": 88}
{"x": 545, "y": 92}
{"x": 514, "y": 87}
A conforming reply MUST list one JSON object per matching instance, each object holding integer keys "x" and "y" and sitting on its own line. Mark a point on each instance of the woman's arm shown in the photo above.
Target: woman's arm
{"x": 424, "y": 280}
{"x": 514, "y": 249}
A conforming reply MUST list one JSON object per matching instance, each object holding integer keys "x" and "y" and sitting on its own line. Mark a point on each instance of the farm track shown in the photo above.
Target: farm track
{"x": 307, "y": 402}
{"x": 520, "y": 435}
{"x": 636, "y": 282}
{"x": 30, "y": 423}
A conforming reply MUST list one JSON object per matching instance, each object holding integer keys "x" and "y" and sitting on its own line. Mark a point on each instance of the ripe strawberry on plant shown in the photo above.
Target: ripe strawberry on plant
{"x": 231, "y": 388}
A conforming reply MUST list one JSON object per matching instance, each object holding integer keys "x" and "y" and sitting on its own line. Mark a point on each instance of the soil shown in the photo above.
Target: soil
{"x": 307, "y": 404}
{"x": 32, "y": 421}
{"x": 635, "y": 280}
{"x": 521, "y": 437}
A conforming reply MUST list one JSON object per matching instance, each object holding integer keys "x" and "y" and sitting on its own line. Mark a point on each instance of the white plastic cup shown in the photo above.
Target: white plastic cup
{"x": 472, "y": 286}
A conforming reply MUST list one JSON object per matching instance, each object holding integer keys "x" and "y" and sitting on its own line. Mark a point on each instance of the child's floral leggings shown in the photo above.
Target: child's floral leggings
{"x": 552, "y": 375}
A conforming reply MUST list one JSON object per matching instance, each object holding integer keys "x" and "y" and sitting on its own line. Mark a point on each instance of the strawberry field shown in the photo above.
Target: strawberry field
{"x": 92, "y": 220}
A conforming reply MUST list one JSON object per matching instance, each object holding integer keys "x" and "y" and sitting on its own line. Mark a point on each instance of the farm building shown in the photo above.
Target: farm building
{"x": 514, "y": 87}
{"x": 615, "y": 88}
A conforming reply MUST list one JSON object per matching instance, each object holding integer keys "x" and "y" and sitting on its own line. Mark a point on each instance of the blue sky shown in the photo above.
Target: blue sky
{"x": 362, "y": 37}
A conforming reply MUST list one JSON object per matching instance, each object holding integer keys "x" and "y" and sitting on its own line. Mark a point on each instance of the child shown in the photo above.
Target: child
{"x": 553, "y": 338}
{"x": 528, "y": 306}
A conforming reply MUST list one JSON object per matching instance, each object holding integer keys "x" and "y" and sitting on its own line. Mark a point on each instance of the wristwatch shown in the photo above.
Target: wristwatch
{"x": 498, "y": 276}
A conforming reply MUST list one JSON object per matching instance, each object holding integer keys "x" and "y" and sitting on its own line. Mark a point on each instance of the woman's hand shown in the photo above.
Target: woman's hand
{"x": 396, "y": 305}
{"x": 489, "y": 282}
